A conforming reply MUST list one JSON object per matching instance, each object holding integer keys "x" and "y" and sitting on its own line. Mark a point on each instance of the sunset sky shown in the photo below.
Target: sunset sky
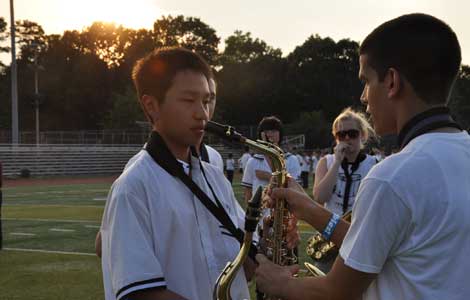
{"x": 282, "y": 24}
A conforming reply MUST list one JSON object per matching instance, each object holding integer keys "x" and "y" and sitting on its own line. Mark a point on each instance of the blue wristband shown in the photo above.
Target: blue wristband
{"x": 330, "y": 227}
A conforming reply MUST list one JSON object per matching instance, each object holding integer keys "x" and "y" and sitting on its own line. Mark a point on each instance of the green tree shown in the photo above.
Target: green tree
{"x": 322, "y": 75}
{"x": 250, "y": 80}
{"x": 125, "y": 111}
{"x": 107, "y": 41}
{"x": 3, "y": 36}
{"x": 316, "y": 128}
{"x": 187, "y": 32}
{"x": 242, "y": 48}
{"x": 31, "y": 39}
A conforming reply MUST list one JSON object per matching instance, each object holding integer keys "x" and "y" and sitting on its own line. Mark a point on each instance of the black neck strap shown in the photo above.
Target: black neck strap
{"x": 429, "y": 120}
{"x": 160, "y": 153}
{"x": 355, "y": 165}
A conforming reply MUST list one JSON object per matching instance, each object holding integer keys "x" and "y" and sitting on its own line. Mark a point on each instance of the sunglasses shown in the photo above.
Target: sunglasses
{"x": 352, "y": 133}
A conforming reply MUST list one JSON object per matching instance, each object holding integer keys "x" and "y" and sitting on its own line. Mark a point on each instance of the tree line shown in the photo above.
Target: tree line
{"x": 85, "y": 84}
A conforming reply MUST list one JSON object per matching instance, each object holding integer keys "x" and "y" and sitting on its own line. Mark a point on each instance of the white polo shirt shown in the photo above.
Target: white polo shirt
{"x": 156, "y": 233}
{"x": 293, "y": 166}
{"x": 244, "y": 160}
{"x": 255, "y": 163}
{"x": 411, "y": 222}
{"x": 215, "y": 158}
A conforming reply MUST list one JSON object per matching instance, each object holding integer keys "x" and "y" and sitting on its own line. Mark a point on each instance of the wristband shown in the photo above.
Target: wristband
{"x": 330, "y": 227}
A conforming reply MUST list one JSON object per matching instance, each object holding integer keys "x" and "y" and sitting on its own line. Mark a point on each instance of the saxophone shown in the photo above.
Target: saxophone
{"x": 275, "y": 247}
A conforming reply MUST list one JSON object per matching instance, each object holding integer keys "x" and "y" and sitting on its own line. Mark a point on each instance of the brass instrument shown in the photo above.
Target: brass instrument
{"x": 323, "y": 252}
{"x": 275, "y": 247}
{"x": 223, "y": 283}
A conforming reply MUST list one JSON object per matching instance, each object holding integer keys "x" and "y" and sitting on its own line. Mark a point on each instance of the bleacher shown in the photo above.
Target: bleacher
{"x": 69, "y": 160}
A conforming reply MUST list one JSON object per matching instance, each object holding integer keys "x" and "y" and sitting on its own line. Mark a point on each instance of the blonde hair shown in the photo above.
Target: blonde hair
{"x": 360, "y": 118}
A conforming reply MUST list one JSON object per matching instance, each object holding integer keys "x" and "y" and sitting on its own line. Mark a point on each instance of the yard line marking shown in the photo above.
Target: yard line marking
{"x": 92, "y": 226}
{"x": 61, "y": 230}
{"x": 22, "y": 233}
{"x": 306, "y": 231}
{"x": 100, "y": 198}
{"x": 49, "y": 251}
{"x": 53, "y": 205}
{"x": 51, "y": 220}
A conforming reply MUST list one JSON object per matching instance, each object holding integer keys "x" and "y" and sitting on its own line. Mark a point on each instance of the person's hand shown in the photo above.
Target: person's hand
{"x": 292, "y": 234}
{"x": 340, "y": 151}
{"x": 299, "y": 203}
{"x": 271, "y": 278}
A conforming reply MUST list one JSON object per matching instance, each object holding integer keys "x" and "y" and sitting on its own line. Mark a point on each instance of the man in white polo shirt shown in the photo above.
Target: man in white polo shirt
{"x": 158, "y": 239}
{"x": 409, "y": 236}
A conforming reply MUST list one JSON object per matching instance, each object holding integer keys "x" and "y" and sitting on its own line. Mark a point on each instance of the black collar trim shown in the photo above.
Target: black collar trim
{"x": 431, "y": 119}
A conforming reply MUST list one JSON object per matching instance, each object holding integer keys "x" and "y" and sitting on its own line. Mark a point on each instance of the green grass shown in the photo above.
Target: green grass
{"x": 28, "y": 275}
{"x": 60, "y": 218}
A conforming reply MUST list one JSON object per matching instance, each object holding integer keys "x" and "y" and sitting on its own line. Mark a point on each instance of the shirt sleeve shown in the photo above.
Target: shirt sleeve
{"x": 248, "y": 174}
{"x": 128, "y": 244}
{"x": 380, "y": 223}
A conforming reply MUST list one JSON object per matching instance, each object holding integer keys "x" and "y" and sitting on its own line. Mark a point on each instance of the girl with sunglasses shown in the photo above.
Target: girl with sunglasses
{"x": 338, "y": 175}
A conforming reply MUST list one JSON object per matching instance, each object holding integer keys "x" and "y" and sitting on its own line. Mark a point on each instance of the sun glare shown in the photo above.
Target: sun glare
{"x": 132, "y": 14}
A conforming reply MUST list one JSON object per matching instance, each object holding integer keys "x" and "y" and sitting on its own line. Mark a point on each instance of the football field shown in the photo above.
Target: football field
{"x": 48, "y": 240}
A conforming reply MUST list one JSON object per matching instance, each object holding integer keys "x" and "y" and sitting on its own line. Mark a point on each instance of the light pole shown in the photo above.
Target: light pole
{"x": 14, "y": 84}
{"x": 36, "y": 101}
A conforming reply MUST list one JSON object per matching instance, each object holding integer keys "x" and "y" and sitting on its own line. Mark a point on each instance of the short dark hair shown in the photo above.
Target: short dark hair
{"x": 424, "y": 49}
{"x": 154, "y": 73}
{"x": 271, "y": 123}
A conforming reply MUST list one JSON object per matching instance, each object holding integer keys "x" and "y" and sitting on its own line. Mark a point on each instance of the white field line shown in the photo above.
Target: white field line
{"x": 49, "y": 251}
{"x": 56, "y": 205}
{"x": 100, "y": 199}
{"x": 51, "y": 220}
{"x": 22, "y": 233}
{"x": 19, "y": 194}
{"x": 62, "y": 230}
{"x": 306, "y": 231}
{"x": 92, "y": 226}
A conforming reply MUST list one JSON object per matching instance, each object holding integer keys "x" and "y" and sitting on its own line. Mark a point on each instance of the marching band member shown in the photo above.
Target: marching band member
{"x": 338, "y": 175}
{"x": 409, "y": 233}
{"x": 159, "y": 240}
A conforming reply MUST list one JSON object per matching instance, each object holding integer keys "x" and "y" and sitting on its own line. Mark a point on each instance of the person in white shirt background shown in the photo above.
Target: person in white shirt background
{"x": 230, "y": 167}
{"x": 305, "y": 167}
{"x": 244, "y": 159}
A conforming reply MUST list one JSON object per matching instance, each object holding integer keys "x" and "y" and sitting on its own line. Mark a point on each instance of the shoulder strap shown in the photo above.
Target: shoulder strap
{"x": 163, "y": 157}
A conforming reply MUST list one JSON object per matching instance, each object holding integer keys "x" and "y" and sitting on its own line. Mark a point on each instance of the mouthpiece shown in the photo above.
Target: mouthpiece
{"x": 224, "y": 131}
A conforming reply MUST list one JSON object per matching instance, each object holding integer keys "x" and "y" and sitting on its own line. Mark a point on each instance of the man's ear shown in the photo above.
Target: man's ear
{"x": 151, "y": 107}
{"x": 393, "y": 82}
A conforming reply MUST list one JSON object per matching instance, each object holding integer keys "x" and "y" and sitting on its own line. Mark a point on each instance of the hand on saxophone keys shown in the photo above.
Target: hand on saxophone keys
{"x": 271, "y": 278}
{"x": 299, "y": 203}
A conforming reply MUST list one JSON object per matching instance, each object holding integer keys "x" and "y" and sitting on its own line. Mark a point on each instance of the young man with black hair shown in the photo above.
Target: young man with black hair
{"x": 159, "y": 240}
{"x": 258, "y": 169}
{"x": 409, "y": 233}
